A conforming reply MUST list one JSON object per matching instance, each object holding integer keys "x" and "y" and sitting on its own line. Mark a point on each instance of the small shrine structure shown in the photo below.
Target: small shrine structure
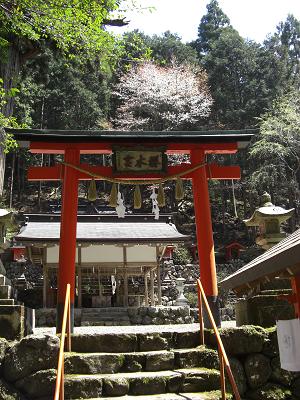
{"x": 139, "y": 158}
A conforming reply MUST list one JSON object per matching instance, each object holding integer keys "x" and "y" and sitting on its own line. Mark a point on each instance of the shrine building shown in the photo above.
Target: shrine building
{"x": 117, "y": 260}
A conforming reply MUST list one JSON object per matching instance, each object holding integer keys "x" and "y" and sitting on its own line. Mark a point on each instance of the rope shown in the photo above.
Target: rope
{"x": 135, "y": 182}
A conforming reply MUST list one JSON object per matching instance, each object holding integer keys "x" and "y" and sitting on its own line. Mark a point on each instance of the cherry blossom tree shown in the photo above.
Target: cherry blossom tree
{"x": 152, "y": 97}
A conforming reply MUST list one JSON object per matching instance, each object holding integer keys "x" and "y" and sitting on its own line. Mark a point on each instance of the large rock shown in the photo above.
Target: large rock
{"x": 9, "y": 393}
{"x": 4, "y": 345}
{"x": 239, "y": 375}
{"x": 39, "y": 384}
{"x": 258, "y": 370}
{"x": 270, "y": 391}
{"x": 240, "y": 341}
{"x": 31, "y": 354}
{"x": 281, "y": 375}
{"x": 270, "y": 348}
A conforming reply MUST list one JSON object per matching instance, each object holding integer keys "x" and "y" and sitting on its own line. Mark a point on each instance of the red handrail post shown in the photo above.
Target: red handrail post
{"x": 220, "y": 344}
{"x": 200, "y": 316}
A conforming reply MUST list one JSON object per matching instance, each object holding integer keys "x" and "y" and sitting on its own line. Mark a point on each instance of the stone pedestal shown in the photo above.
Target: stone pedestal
{"x": 262, "y": 310}
{"x": 16, "y": 321}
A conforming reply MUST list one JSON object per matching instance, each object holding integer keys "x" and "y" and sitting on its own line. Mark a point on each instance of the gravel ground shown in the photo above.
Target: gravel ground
{"x": 135, "y": 328}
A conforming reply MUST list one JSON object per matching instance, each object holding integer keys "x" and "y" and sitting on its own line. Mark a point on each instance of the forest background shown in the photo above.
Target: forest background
{"x": 60, "y": 68}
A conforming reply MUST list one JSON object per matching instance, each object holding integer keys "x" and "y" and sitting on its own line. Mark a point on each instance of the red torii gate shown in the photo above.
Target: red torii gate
{"x": 74, "y": 143}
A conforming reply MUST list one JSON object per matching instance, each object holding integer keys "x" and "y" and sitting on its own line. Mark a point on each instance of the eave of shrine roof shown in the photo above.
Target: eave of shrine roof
{"x": 66, "y": 136}
{"x": 281, "y": 260}
{"x": 105, "y": 232}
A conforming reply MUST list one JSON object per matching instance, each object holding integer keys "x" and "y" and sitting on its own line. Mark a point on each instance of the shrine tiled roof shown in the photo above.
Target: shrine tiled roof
{"x": 282, "y": 260}
{"x": 104, "y": 232}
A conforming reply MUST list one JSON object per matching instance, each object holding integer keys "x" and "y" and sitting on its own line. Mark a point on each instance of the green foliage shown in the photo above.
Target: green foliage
{"x": 181, "y": 255}
{"x": 64, "y": 94}
{"x": 9, "y": 143}
{"x": 73, "y": 25}
{"x": 276, "y": 153}
{"x": 211, "y": 26}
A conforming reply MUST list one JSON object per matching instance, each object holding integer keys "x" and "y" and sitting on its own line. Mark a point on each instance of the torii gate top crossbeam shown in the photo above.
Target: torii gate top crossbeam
{"x": 95, "y": 142}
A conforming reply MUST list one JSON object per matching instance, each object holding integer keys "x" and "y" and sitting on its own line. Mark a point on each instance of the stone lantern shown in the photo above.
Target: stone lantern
{"x": 181, "y": 300}
{"x": 268, "y": 218}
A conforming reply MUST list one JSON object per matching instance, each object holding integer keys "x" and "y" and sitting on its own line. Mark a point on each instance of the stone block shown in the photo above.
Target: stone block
{"x": 187, "y": 340}
{"x": 160, "y": 361}
{"x": 12, "y": 322}
{"x": 258, "y": 370}
{"x": 115, "y": 387}
{"x": 262, "y": 310}
{"x": 85, "y": 363}
{"x": 5, "y": 292}
{"x": 104, "y": 343}
{"x": 147, "y": 385}
{"x": 240, "y": 341}
{"x": 153, "y": 342}
{"x": 200, "y": 380}
{"x": 134, "y": 362}
{"x": 39, "y": 384}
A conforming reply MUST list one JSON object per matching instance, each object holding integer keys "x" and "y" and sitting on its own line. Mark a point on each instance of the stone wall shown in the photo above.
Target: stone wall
{"x": 252, "y": 351}
{"x": 136, "y": 315}
{"x": 254, "y": 358}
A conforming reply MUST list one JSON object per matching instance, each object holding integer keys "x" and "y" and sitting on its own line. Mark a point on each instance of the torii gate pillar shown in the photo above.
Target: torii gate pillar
{"x": 67, "y": 246}
{"x": 204, "y": 233}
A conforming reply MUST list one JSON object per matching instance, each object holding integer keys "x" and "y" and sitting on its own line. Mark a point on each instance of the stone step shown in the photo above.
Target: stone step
{"x": 4, "y": 280}
{"x": 7, "y": 302}
{"x": 95, "y": 342}
{"x": 122, "y": 384}
{"x": 104, "y": 318}
{"x": 108, "y": 310}
{"x": 108, "y": 363}
{"x": 213, "y": 395}
{"x": 105, "y": 323}
{"x": 5, "y": 292}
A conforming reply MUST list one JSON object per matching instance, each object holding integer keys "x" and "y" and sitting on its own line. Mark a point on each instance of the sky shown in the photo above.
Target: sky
{"x": 253, "y": 19}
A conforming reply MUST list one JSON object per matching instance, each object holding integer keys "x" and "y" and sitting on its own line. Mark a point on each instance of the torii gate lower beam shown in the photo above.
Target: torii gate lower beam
{"x": 67, "y": 253}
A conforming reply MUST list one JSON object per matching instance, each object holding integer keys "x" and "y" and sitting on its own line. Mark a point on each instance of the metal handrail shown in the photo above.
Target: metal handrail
{"x": 224, "y": 363}
{"x": 66, "y": 326}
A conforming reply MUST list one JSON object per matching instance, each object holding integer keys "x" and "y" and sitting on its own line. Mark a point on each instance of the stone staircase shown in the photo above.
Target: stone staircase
{"x": 111, "y": 316}
{"x": 166, "y": 365}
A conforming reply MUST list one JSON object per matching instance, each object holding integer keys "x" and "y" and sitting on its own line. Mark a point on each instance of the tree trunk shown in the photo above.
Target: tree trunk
{"x": 9, "y": 70}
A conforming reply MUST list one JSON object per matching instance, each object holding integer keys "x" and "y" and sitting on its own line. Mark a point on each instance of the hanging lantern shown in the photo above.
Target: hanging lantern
{"x": 137, "y": 197}
{"x": 179, "y": 191}
{"x": 113, "y": 198}
{"x": 161, "y": 199}
{"x": 92, "y": 191}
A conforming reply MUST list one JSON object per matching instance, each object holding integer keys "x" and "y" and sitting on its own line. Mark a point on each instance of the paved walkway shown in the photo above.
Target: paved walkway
{"x": 135, "y": 328}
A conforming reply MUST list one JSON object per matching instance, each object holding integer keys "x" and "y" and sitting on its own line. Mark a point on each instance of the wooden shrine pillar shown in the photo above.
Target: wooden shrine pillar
{"x": 295, "y": 281}
{"x": 67, "y": 246}
{"x": 158, "y": 277}
{"x": 146, "y": 287}
{"x": 204, "y": 233}
{"x": 152, "y": 287}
